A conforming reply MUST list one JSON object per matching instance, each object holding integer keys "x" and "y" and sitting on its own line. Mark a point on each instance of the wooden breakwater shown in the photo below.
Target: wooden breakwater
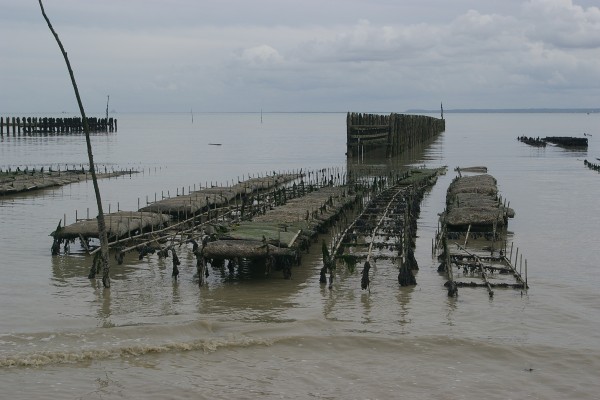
{"x": 562, "y": 141}
{"x": 18, "y": 126}
{"x": 592, "y": 166}
{"x": 395, "y": 132}
{"x": 567, "y": 141}
{"x": 537, "y": 142}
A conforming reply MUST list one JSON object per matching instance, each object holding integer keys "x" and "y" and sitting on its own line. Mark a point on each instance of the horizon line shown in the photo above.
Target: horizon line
{"x": 412, "y": 110}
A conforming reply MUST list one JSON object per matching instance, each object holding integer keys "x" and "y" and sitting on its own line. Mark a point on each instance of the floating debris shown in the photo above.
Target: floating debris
{"x": 481, "y": 170}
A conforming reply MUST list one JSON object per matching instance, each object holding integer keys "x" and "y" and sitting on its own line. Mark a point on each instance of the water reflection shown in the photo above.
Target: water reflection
{"x": 175, "y": 295}
{"x": 451, "y": 306}
{"x": 104, "y": 298}
{"x": 375, "y": 163}
{"x": 403, "y": 298}
{"x": 365, "y": 299}
{"x": 68, "y": 267}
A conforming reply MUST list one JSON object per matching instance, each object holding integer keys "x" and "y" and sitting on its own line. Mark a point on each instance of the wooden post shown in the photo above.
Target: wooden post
{"x": 526, "y": 285}
{"x": 521, "y": 264}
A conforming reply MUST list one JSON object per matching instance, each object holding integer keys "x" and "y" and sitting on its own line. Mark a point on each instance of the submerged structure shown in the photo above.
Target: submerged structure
{"x": 267, "y": 222}
{"x": 562, "y": 141}
{"x": 473, "y": 237}
{"x": 384, "y": 231}
{"x": 19, "y": 181}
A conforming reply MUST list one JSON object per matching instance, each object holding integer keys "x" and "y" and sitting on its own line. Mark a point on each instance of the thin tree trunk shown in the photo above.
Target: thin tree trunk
{"x": 86, "y": 128}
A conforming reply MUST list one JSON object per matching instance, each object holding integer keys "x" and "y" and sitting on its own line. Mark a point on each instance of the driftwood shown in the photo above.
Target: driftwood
{"x": 479, "y": 169}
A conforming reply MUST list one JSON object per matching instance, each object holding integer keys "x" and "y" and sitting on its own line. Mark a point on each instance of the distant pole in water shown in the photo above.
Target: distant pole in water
{"x": 442, "y": 110}
{"x": 192, "y": 113}
{"x": 107, "y": 100}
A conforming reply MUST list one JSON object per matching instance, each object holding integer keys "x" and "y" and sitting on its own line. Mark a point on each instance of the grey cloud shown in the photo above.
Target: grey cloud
{"x": 563, "y": 24}
{"x": 297, "y": 55}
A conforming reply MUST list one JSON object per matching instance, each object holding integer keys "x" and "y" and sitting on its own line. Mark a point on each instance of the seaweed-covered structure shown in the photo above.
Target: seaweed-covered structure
{"x": 19, "y": 181}
{"x": 197, "y": 201}
{"x": 537, "y": 142}
{"x": 282, "y": 231}
{"x": 473, "y": 238}
{"x": 473, "y": 200}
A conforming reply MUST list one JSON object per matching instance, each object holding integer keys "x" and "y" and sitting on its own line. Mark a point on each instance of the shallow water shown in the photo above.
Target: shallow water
{"x": 62, "y": 335}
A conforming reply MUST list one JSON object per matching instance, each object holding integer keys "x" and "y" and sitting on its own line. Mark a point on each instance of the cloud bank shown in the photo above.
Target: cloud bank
{"x": 236, "y": 55}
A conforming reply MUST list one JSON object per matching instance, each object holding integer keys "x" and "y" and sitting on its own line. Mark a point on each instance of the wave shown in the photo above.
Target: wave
{"x": 42, "y": 358}
{"x": 113, "y": 342}
{"x": 318, "y": 336}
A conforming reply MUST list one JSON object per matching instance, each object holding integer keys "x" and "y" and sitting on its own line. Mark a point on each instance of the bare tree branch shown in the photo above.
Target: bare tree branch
{"x": 86, "y": 128}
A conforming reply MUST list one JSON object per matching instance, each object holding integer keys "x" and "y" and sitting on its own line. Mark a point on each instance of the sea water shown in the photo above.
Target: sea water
{"x": 250, "y": 336}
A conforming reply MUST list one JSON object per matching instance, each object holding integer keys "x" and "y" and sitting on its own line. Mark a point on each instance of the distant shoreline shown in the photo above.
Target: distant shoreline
{"x": 511, "y": 110}
{"x": 410, "y": 111}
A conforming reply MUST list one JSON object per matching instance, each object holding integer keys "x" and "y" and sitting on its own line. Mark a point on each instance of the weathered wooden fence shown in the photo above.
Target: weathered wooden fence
{"x": 57, "y": 126}
{"x": 395, "y": 132}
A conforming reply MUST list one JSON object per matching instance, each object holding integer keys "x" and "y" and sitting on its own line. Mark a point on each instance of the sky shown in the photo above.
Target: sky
{"x": 299, "y": 55}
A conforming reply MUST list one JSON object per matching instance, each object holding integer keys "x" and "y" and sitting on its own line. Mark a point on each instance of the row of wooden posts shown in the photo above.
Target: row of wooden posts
{"x": 395, "y": 132}
{"x": 592, "y": 166}
{"x": 51, "y": 125}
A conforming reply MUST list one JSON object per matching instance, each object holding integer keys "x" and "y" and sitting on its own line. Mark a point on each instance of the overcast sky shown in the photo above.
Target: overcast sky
{"x": 300, "y": 55}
